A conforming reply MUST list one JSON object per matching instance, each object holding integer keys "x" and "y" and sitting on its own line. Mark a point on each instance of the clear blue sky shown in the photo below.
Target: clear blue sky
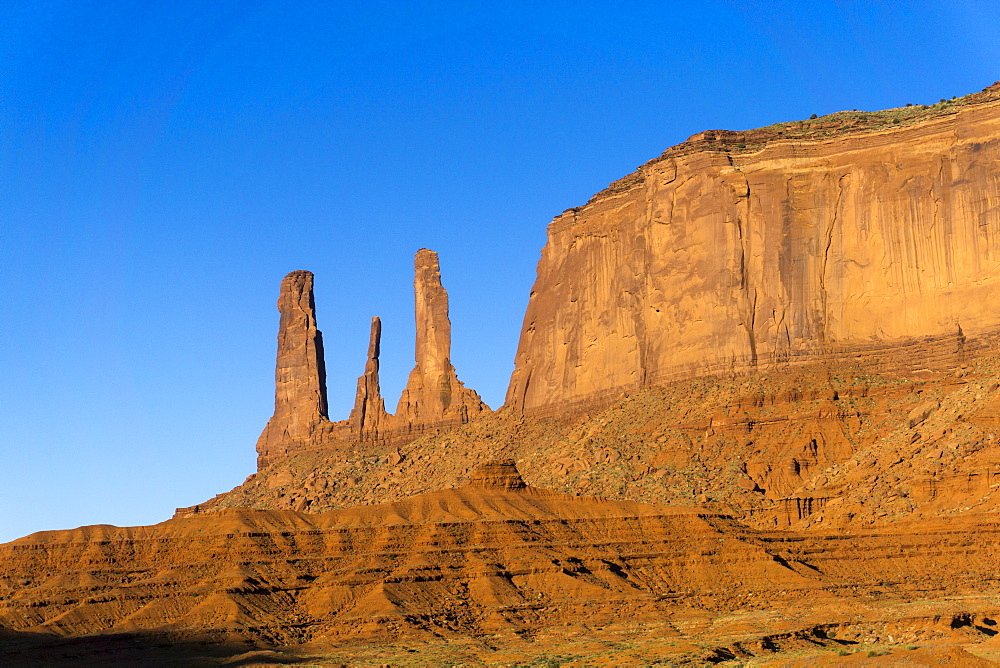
{"x": 164, "y": 164}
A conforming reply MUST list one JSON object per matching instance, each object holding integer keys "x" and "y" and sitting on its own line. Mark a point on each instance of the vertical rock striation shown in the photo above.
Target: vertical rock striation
{"x": 433, "y": 395}
{"x": 743, "y": 250}
{"x": 369, "y": 419}
{"x": 300, "y": 411}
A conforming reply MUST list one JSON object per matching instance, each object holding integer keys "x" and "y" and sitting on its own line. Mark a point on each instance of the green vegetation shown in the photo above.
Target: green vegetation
{"x": 838, "y": 122}
{"x": 816, "y": 127}
{"x": 546, "y": 661}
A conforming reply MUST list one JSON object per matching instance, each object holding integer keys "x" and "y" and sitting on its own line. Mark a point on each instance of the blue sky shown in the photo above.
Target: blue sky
{"x": 164, "y": 164}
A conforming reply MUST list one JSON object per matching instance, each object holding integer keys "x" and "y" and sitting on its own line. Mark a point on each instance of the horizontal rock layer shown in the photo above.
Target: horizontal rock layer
{"x": 485, "y": 559}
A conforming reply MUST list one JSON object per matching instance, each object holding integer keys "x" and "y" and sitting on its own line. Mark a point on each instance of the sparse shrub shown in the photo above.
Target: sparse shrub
{"x": 895, "y": 121}
{"x": 813, "y": 117}
{"x": 552, "y": 661}
{"x": 842, "y": 652}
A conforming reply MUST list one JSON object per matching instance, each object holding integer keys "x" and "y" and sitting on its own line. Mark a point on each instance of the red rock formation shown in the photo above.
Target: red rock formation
{"x": 300, "y": 411}
{"x": 849, "y": 506}
{"x": 434, "y": 396}
{"x": 369, "y": 418}
{"x": 498, "y": 474}
{"x": 489, "y": 558}
{"x": 734, "y": 251}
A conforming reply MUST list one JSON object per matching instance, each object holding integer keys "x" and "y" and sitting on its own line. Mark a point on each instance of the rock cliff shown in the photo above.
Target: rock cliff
{"x": 842, "y": 497}
{"x": 735, "y": 251}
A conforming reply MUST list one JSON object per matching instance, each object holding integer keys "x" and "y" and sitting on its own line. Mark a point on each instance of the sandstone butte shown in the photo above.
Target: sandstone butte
{"x": 755, "y": 415}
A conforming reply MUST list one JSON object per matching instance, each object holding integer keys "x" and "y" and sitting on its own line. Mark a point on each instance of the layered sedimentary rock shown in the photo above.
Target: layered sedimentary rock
{"x": 300, "y": 410}
{"x": 433, "y": 395}
{"x": 499, "y": 474}
{"x": 737, "y": 251}
{"x": 368, "y": 418}
{"x": 496, "y": 557}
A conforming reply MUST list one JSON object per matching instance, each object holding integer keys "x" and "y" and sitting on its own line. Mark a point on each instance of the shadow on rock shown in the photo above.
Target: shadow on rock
{"x": 145, "y": 649}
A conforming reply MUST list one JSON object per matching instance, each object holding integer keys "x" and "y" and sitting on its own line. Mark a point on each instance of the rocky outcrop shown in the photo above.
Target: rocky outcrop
{"x": 499, "y": 474}
{"x": 300, "y": 410}
{"x": 369, "y": 419}
{"x": 434, "y": 396}
{"x": 735, "y": 251}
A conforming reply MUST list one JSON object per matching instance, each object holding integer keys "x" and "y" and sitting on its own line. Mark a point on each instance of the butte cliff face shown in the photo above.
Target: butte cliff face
{"x": 434, "y": 397}
{"x": 736, "y": 251}
{"x": 851, "y": 262}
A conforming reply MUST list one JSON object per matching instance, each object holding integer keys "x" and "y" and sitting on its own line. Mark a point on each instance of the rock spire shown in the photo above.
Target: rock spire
{"x": 433, "y": 395}
{"x": 300, "y": 410}
{"x": 369, "y": 417}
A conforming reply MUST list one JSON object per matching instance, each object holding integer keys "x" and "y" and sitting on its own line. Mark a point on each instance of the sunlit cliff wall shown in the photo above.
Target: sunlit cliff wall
{"x": 735, "y": 251}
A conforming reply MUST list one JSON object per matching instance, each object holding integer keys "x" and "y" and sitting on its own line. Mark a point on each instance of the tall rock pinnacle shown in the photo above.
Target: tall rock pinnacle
{"x": 369, "y": 417}
{"x": 300, "y": 374}
{"x": 434, "y": 395}
{"x": 433, "y": 343}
